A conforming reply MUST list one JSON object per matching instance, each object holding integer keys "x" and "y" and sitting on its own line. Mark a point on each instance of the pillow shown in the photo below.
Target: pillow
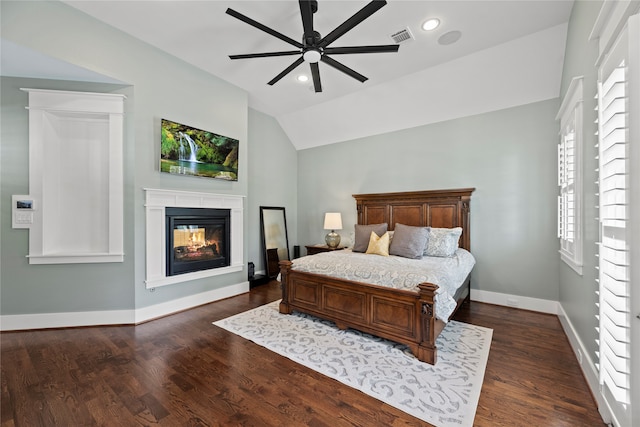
{"x": 408, "y": 241}
{"x": 352, "y": 240}
{"x": 363, "y": 233}
{"x": 378, "y": 245}
{"x": 443, "y": 242}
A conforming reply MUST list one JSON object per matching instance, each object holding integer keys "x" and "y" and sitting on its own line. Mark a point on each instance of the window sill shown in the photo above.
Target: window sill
{"x": 568, "y": 259}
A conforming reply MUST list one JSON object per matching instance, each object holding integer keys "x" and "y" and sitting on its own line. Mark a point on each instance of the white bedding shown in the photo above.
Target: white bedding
{"x": 396, "y": 272}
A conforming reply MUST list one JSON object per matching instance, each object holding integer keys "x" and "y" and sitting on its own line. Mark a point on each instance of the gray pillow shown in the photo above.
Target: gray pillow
{"x": 363, "y": 233}
{"x": 408, "y": 241}
{"x": 443, "y": 242}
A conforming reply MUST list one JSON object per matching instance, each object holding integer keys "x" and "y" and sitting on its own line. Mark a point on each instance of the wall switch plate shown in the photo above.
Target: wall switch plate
{"x": 22, "y": 210}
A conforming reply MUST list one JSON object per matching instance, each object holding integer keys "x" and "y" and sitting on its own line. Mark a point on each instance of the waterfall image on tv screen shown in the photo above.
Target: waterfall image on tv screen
{"x": 190, "y": 151}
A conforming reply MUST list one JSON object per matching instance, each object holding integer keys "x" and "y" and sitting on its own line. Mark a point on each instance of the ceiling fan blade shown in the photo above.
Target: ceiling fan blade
{"x": 347, "y": 25}
{"x": 315, "y": 73}
{"x": 265, "y": 54}
{"x": 341, "y": 67}
{"x": 262, "y": 27}
{"x": 307, "y": 17}
{"x": 286, "y": 71}
{"x": 361, "y": 49}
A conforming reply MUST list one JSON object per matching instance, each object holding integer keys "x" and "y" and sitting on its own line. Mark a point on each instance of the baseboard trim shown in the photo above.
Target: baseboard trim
{"x": 515, "y": 301}
{"x": 587, "y": 365}
{"x": 164, "y": 309}
{"x": 18, "y": 322}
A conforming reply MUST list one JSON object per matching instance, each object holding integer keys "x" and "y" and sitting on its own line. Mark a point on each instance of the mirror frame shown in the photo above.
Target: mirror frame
{"x": 265, "y": 225}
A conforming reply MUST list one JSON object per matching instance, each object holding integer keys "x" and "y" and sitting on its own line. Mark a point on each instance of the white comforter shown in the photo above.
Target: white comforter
{"x": 395, "y": 272}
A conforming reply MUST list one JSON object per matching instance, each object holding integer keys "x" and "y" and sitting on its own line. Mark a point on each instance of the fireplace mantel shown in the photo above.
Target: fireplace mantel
{"x": 155, "y": 203}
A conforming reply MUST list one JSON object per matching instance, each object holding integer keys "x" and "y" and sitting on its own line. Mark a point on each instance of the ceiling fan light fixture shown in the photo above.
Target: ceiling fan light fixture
{"x": 312, "y": 56}
{"x": 431, "y": 24}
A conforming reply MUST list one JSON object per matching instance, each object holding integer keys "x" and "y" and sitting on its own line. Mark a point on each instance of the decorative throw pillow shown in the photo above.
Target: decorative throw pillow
{"x": 409, "y": 241}
{"x": 443, "y": 242}
{"x": 378, "y": 245}
{"x": 363, "y": 233}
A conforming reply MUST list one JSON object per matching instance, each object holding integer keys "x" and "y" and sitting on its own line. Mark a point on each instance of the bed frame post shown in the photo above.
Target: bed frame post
{"x": 427, "y": 351}
{"x": 285, "y": 268}
{"x": 466, "y": 212}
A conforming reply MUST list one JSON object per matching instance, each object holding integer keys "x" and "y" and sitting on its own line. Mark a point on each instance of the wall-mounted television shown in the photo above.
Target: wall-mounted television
{"x": 194, "y": 152}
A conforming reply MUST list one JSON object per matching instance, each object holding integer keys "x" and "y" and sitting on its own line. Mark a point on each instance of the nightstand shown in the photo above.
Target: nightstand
{"x": 316, "y": 249}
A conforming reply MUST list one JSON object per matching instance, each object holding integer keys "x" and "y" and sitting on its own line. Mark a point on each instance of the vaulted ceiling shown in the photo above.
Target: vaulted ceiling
{"x": 508, "y": 53}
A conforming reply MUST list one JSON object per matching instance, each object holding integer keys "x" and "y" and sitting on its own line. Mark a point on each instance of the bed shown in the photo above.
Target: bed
{"x": 403, "y": 316}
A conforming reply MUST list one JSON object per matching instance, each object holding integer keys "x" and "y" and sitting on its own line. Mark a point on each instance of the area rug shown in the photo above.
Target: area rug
{"x": 445, "y": 394}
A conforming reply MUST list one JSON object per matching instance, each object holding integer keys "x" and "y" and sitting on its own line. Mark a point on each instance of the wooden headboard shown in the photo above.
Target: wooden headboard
{"x": 434, "y": 208}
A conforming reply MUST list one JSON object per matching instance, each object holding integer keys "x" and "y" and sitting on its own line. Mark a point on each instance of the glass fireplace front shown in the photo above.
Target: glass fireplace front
{"x": 197, "y": 239}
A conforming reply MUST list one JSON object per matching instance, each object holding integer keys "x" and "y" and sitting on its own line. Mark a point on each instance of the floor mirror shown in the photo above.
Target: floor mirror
{"x": 275, "y": 240}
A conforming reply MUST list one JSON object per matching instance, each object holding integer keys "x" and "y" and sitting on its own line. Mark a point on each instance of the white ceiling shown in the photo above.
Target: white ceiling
{"x": 500, "y": 41}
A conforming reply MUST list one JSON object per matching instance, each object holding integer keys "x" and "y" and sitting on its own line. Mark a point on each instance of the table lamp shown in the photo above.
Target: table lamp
{"x": 333, "y": 222}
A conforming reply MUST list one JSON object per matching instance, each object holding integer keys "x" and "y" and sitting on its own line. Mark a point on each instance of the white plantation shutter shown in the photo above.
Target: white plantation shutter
{"x": 614, "y": 275}
{"x": 569, "y": 176}
{"x": 567, "y": 182}
{"x": 614, "y": 271}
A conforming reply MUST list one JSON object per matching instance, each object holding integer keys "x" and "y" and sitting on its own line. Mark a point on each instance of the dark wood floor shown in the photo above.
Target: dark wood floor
{"x": 183, "y": 371}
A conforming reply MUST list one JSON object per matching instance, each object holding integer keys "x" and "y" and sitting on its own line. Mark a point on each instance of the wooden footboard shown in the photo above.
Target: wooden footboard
{"x": 402, "y": 316}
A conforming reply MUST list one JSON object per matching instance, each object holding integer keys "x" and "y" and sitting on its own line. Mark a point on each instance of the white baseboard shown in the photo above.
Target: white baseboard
{"x": 127, "y": 317}
{"x": 19, "y": 322}
{"x": 154, "y": 311}
{"x": 586, "y": 364}
{"x": 515, "y": 301}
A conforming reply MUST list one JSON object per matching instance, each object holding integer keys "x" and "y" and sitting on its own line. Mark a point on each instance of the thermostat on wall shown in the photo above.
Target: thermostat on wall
{"x": 22, "y": 208}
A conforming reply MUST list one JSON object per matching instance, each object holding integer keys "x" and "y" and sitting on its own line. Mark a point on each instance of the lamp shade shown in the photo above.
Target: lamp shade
{"x": 332, "y": 221}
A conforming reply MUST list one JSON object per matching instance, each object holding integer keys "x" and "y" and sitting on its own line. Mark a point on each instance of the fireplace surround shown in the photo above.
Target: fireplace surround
{"x": 159, "y": 203}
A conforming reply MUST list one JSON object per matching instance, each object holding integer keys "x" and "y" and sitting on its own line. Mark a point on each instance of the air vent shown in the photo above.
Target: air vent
{"x": 402, "y": 36}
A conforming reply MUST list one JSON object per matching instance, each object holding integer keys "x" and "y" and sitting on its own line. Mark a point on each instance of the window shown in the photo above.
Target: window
{"x": 613, "y": 247}
{"x": 618, "y": 127}
{"x": 570, "y": 176}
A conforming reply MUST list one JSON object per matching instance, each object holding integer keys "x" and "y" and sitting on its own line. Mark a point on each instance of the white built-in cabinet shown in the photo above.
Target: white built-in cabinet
{"x": 75, "y": 177}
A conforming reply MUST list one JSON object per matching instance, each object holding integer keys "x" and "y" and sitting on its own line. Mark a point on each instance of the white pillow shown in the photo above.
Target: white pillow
{"x": 443, "y": 242}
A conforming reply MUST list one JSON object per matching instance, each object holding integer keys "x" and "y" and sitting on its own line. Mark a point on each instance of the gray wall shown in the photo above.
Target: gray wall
{"x": 578, "y": 293}
{"x": 509, "y": 156}
{"x": 157, "y": 86}
{"x": 273, "y": 180}
{"x": 52, "y": 288}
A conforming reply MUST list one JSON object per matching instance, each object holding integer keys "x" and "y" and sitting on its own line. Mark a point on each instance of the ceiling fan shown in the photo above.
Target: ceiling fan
{"x": 314, "y": 47}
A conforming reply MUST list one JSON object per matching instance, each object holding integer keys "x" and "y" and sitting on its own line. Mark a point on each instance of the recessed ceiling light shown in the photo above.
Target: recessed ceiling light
{"x": 430, "y": 24}
{"x": 302, "y": 78}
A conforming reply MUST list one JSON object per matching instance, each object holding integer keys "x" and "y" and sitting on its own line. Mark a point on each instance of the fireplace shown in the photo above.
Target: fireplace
{"x": 157, "y": 202}
{"x": 197, "y": 239}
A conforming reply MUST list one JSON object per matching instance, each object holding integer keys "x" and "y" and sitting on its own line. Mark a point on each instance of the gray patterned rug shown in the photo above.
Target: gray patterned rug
{"x": 444, "y": 394}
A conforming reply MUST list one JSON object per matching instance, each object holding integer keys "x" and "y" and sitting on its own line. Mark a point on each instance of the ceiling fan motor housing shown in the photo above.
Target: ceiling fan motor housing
{"x": 311, "y": 40}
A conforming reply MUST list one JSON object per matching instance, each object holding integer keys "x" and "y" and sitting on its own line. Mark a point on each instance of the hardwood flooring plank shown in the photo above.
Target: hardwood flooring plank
{"x": 181, "y": 370}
